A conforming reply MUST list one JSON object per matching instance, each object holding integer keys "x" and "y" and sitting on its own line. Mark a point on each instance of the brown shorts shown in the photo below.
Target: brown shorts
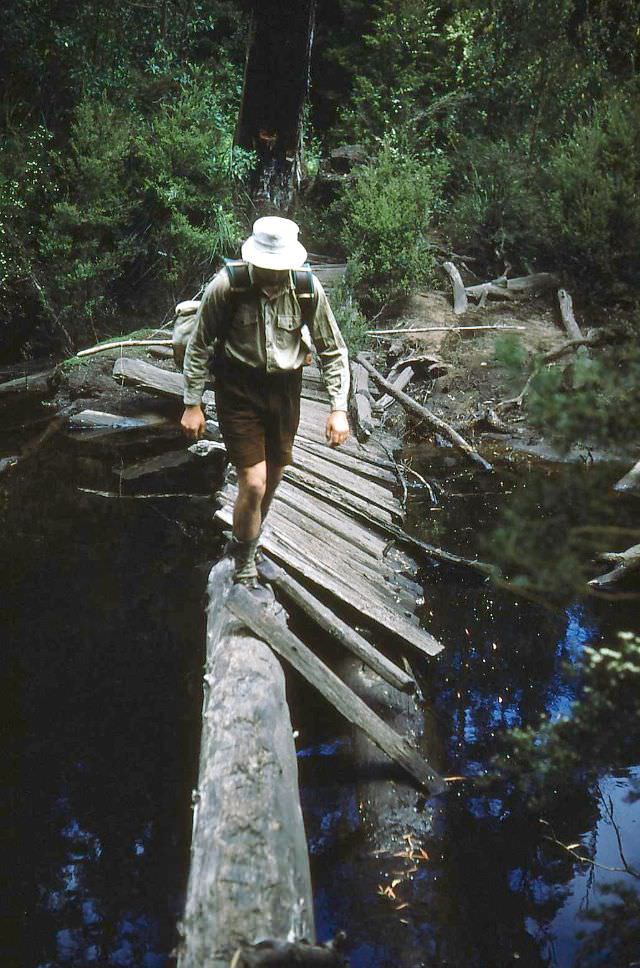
{"x": 258, "y": 413}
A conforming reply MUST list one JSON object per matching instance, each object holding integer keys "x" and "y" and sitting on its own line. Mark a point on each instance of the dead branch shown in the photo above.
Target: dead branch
{"x": 460, "y": 301}
{"x": 568, "y": 319}
{"x": 443, "y": 329}
{"x": 103, "y": 347}
{"x": 625, "y": 563}
{"x": 630, "y": 483}
{"x": 409, "y": 404}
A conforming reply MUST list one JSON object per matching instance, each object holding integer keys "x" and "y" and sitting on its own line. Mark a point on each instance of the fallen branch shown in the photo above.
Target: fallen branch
{"x": 410, "y": 404}
{"x": 460, "y": 301}
{"x": 625, "y": 563}
{"x": 486, "y": 289}
{"x": 103, "y": 347}
{"x": 442, "y": 329}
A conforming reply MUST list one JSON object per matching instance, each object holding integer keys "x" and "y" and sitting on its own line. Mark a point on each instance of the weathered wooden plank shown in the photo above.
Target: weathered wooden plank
{"x": 357, "y": 465}
{"x": 403, "y": 378}
{"x": 364, "y": 577}
{"x": 303, "y": 660}
{"x": 346, "y": 480}
{"x": 99, "y": 420}
{"x": 249, "y": 874}
{"x": 153, "y": 465}
{"x": 336, "y": 628}
{"x": 321, "y": 575}
{"x": 335, "y": 495}
{"x": 146, "y": 376}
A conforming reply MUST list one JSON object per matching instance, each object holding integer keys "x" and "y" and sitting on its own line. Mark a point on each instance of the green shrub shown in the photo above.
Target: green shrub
{"x": 385, "y": 216}
{"x": 498, "y": 209}
{"x": 594, "y": 194}
{"x": 594, "y": 399}
{"x": 352, "y": 323}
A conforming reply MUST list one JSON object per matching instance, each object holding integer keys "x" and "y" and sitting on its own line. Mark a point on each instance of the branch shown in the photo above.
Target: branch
{"x": 410, "y": 404}
{"x": 551, "y": 357}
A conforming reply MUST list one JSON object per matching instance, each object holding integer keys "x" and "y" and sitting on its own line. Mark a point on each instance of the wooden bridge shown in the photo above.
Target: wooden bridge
{"x": 331, "y": 548}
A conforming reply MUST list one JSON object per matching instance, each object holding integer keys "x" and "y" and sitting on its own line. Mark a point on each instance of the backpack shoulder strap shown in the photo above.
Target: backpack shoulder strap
{"x": 306, "y": 291}
{"x": 238, "y": 272}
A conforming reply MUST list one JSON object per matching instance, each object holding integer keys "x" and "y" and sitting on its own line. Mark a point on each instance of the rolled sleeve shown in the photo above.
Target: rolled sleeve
{"x": 208, "y": 323}
{"x": 332, "y": 351}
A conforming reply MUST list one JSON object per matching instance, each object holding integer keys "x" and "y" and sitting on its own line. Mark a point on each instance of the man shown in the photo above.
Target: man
{"x": 265, "y": 336}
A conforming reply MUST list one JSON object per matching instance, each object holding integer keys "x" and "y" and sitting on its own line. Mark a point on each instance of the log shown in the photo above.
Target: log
{"x": 630, "y": 483}
{"x": 422, "y": 412}
{"x": 303, "y": 660}
{"x": 29, "y": 383}
{"x": 278, "y": 954}
{"x": 625, "y": 563}
{"x": 405, "y": 377}
{"x": 153, "y": 465}
{"x": 99, "y": 420}
{"x": 331, "y": 623}
{"x": 146, "y": 376}
{"x": 249, "y": 874}
{"x": 486, "y": 289}
{"x": 460, "y": 301}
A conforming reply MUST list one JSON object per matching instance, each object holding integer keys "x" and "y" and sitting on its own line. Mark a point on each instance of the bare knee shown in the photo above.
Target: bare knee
{"x": 252, "y": 483}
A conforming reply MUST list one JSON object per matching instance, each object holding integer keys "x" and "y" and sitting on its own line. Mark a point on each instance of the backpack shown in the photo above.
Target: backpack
{"x": 240, "y": 282}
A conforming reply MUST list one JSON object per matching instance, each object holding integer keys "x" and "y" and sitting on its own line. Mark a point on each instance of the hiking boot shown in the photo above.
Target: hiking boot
{"x": 244, "y": 556}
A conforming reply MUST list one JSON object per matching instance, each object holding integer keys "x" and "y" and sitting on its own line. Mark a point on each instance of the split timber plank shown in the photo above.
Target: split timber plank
{"x": 146, "y": 376}
{"x": 349, "y": 482}
{"x": 367, "y": 581}
{"x": 357, "y": 465}
{"x": 336, "y": 628}
{"x": 359, "y": 535}
{"x": 334, "y": 495}
{"x": 371, "y": 611}
{"x": 154, "y": 465}
{"x": 303, "y": 660}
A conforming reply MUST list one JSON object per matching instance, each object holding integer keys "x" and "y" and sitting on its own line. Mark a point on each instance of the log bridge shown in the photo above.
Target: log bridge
{"x": 330, "y": 550}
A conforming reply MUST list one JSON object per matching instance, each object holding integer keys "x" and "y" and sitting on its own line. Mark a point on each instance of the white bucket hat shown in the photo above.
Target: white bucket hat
{"x": 274, "y": 244}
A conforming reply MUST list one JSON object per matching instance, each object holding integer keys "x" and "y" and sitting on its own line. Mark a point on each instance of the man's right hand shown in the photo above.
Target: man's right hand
{"x": 193, "y": 423}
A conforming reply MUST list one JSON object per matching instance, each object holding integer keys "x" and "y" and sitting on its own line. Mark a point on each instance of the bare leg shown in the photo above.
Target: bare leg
{"x": 252, "y": 485}
{"x": 274, "y": 476}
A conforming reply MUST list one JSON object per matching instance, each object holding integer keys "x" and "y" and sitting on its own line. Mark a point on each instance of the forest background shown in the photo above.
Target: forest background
{"x": 507, "y": 131}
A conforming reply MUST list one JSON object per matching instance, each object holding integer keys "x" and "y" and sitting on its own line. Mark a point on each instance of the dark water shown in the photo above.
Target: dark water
{"x": 102, "y": 637}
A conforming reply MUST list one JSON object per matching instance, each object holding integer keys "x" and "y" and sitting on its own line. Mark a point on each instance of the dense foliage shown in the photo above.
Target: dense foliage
{"x": 118, "y": 176}
{"x": 532, "y": 107}
{"x": 508, "y": 131}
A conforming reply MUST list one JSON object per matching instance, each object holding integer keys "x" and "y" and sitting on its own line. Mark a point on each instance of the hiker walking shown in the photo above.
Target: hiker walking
{"x": 260, "y": 316}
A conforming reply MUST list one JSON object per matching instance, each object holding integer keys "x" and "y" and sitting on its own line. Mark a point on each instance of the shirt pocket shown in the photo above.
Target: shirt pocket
{"x": 289, "y": 322}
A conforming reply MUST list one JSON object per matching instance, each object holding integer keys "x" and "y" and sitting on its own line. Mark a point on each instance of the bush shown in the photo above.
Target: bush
{"x": 385, "y": 216}
{"x": 595, "y": 194}
{"x": 498, "y": 208}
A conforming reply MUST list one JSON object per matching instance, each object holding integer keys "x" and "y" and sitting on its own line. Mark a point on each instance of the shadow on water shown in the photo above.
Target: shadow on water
{"x": 103, "y": 642}
{"x": 102, "y": 652}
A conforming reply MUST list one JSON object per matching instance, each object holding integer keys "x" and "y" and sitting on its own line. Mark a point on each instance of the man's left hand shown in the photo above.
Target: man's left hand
{"x": 337, "y": 429}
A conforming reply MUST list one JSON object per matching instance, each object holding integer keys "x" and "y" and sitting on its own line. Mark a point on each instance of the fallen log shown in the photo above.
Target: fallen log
{"x": 403, "y": 379}
{"x": 460, "y": 301}
{"x": 360, "y": 402}
{"x": 99, "y": 420}
{"x": 486, "y": 289}
{"x": 249, "y": 874}
{"x": 329, "y": 622}
{"x": 29, "y": 383}
{"x": 630, "y": 483}
{"x": 625, "y": 563}
{"x": 303, "y": 660}
{"x": 425, "y": 414}
{"x": 277, "y": 954}
{"x": 146, "y": 376}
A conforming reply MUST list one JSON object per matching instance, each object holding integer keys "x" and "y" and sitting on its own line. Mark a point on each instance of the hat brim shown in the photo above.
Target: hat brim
{"x": 294, "y": 256}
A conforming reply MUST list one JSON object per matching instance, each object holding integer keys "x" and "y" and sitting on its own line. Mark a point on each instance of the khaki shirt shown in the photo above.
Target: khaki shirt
{"x": 268, "y": 334}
